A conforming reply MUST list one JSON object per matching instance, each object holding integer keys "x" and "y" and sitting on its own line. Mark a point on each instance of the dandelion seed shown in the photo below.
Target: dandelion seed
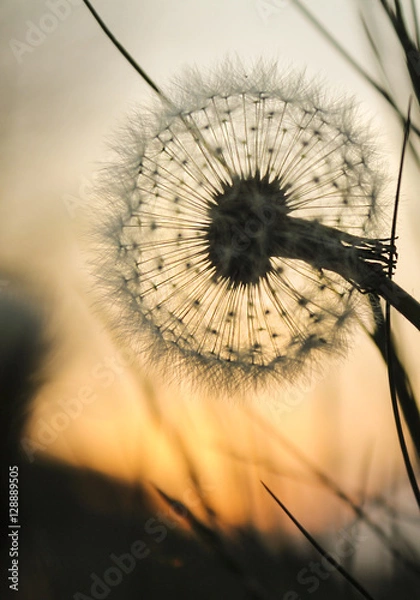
{"x": 233, "y": 212}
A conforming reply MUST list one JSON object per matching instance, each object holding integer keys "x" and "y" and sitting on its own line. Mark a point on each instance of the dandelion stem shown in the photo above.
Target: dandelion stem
{"x": 361, "y": 261}
{"x": 401, "y": 300}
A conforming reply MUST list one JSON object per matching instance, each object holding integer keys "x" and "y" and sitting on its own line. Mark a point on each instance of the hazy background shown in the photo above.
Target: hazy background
{"x": 61, "y": 100}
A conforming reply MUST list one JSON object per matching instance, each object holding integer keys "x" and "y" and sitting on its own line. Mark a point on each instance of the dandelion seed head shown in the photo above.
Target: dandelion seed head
{"x": 199, "y": 257}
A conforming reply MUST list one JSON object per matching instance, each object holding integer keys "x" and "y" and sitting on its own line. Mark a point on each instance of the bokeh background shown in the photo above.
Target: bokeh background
{"x": 64, "y": 94}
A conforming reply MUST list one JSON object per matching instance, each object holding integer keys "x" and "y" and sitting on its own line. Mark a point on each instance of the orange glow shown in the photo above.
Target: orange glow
{"x": 95, "y": 411}
{"x": 98, "y": 412}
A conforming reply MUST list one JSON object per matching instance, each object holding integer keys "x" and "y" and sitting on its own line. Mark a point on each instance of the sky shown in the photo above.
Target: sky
{"x": 66, "y": 92}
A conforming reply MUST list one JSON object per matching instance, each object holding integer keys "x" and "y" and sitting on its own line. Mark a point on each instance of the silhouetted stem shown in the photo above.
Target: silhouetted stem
{"x": 361, "y": 261}
{"x": 400, "y": 300}
{"x": 402, "y": 382}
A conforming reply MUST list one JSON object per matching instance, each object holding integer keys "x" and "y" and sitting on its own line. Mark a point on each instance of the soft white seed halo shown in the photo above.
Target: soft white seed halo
{"x": 165, "y": 293}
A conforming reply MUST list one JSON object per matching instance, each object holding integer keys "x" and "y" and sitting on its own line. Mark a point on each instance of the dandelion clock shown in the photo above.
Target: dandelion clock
{"x": 239, "y": 227}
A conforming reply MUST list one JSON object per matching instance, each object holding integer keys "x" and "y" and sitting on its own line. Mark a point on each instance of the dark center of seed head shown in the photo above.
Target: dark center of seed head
{"x": 244, "y": 221}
